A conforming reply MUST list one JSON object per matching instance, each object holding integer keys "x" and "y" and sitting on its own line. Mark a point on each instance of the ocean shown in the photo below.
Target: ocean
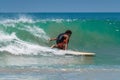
{"x": 25, "y": 52}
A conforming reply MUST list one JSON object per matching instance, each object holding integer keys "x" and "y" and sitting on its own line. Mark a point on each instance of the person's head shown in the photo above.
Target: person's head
{"x": 68, "y": 32}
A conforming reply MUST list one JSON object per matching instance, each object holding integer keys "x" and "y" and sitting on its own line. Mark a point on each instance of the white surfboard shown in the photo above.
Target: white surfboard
{"x": 77, "y": 53}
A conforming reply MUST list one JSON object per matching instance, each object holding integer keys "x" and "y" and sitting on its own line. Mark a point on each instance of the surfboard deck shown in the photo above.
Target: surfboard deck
{"x": 77, "y": 53}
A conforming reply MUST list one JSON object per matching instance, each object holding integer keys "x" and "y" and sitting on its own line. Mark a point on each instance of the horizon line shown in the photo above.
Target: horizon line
{"x": 59, "y": 12}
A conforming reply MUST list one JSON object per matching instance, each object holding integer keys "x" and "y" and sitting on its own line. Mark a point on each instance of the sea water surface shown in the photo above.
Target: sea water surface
{"x": 25, "y": 52}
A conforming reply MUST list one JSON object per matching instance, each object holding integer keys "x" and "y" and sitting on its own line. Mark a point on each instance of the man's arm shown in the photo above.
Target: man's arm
{"x": 66, "y": 42}
{"x": 51, "y": 39}
{"x": 66, "y": 46}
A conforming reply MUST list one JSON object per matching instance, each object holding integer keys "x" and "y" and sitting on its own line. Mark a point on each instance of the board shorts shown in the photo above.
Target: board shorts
{"x": 62, "y": 45}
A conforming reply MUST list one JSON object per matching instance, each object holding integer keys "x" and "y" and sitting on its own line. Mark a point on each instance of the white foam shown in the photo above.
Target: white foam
{"x": 6, "y": 37}
{"x": 12, "y": 22}
{"x": 35, "y": 30}
{"x": 38, "y": 32}
{"x": 25, "y": 19}
{"x": 18, "y": 47}
{"x": 55, "y": 20}
{"x": 24, "y": 48}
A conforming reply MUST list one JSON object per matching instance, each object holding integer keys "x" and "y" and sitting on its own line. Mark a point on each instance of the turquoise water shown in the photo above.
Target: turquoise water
{"x": 25, "y": 49}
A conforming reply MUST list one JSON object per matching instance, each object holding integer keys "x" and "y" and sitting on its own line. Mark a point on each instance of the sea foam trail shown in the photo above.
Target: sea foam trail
{"x": 12, "y": 44}
{"x": 19, "y": 47}
{"x": 38, "y": 32}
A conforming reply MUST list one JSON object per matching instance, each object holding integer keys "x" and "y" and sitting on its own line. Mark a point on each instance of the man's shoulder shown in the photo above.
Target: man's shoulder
{"x": 65, "y": 35}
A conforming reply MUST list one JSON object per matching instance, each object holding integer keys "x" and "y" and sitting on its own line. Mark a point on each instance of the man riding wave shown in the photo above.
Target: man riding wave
{"x": 62, "y": 40}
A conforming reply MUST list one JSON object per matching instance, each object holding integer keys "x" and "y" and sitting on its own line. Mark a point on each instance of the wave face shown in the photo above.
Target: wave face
{"x": 28, "y": 34}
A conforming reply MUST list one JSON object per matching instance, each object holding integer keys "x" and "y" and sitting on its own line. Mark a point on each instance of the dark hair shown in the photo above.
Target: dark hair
{"x": 68, "y": 31}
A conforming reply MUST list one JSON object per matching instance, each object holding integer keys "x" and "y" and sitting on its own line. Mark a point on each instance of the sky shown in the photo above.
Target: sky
{"x": 59, "y": 5}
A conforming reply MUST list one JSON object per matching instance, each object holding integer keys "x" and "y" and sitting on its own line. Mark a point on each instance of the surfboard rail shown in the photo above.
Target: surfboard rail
{"x": 77, "y": 53}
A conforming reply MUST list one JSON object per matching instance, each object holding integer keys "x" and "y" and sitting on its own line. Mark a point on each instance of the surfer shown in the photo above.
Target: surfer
{"x": 62, "y": 40}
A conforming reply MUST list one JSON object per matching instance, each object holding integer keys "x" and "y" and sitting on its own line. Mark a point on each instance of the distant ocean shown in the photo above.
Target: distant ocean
{"x": 25, "y": 52}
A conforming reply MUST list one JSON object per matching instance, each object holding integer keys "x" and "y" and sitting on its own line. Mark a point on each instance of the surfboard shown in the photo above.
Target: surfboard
{"x": 77, "y": 53}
